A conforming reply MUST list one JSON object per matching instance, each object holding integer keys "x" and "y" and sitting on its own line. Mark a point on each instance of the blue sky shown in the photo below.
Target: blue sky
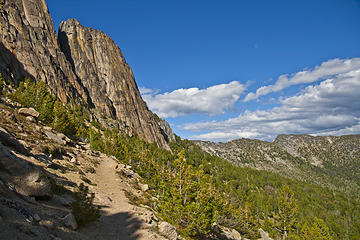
{"x": 220, "y": 70}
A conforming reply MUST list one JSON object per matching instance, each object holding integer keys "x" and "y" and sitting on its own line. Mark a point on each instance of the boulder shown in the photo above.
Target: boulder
{"x": 144, "y": 187}
{"x": 55, "y": 137}
{"x": 26, "y": 178}
{"x": 30, "y": 119}
{"x": 63, "y": 137}
{"x": 127, "y": 173}
{"x": 264, "y": 235}
{"x": 65, "y": 200}
{"x": 29, "y": 112}
{"x": 231, "y": 233}
{"x": 34, "y": 184}
{"x": 7, "y": 140}
{"x": 70, "y": 221}
{"x": 168, "y": 230}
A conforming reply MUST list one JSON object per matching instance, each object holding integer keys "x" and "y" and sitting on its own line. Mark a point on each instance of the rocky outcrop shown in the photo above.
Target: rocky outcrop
{"x": 167, "y": 131}
{"x": 82, "y": 65}
{"x": 168, "y": 230}
{"x": 28, "y": 48}
{"x": 101, "y": 68}
{"x": 29, "y": 112}
{"x": 22, "y": 176}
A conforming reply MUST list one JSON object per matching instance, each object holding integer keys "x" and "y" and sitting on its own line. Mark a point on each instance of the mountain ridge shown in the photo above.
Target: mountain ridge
{"x": 329, "y": 160}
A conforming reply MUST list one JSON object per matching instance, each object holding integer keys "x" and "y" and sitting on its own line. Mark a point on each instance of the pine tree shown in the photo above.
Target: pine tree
{"x": 287, "y": 215}
{"x": 319, "y": 230}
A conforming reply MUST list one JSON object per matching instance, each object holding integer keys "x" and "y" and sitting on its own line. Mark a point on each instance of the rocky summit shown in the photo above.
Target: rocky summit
{"x": 80, "y": 66}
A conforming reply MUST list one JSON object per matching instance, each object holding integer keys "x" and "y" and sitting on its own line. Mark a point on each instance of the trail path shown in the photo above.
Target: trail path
{"x": 118, "y": 220}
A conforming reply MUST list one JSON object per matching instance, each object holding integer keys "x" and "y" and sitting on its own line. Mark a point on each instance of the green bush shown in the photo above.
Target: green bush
{"x": 83, "y": 208}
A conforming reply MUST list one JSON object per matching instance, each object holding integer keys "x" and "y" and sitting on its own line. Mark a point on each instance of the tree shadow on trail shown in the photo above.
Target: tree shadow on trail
{"x": 119, "y": 226}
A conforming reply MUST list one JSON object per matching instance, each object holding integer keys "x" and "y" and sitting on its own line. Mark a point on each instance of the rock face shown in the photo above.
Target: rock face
{"x": 28, "y": 48}
{"x": 82, "y": 65}
{"x": 102, "y": 70}
{"x": 167, "y": 131}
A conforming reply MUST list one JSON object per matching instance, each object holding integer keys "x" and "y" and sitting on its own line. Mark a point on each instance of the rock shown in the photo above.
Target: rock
{"x": 236, "y": 234}
{"x": 63, "y": 137}
{"x": 46, "y": 128}
{"x": 144, "y": 187}
{"x": 166, "y": 130}
{"x": 264, "y": 235}
{"x": 127, "y": 173}
{"x": 35, "y": 184}
{"x": 55, "y": 137}
{"x": 70, "y": 221}
{"x": 8, "y": 140}
{"x": 74, "y": 161}
{"x": 47, "y": 224}
{"x": 65, "y": 200}
{"x": 25, "y": 178}
{"x": 30, "y": 119}
{"x": 21, "y": 129}
{"x": 168, "y": 230}
{"x": 29, "y": 112}
{"x": 231, "y": 233}
{"x": 216, "y": 227}
{"x": 36, "y": 217}
{"x": 10, "y": 116}
{"x": 43, "y": 158}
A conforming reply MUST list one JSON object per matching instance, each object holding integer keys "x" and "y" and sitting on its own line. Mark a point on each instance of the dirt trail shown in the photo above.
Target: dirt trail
{"x": 118, "y": 220}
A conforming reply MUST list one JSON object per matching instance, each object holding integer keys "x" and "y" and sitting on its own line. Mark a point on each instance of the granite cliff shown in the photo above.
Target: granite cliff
{"x": 29, "y": 48}
{"x": 101, "y": 68}
{"x": 81, "y": 65}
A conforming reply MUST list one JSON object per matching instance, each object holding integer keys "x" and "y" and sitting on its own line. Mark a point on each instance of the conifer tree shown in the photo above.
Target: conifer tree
{"x": 287, "y": 215}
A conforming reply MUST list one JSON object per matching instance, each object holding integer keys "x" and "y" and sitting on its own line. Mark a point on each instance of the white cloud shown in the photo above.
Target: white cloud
{"x": 213, "y": 100}
{"x": 147, "y": 91}
{"x": 331, "y": 107}
{"x": 325, "y": 70}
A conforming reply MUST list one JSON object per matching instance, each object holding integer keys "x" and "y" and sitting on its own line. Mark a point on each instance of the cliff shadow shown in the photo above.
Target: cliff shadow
{"x": 64, "y": 46}
{"x": 11, "y": 68}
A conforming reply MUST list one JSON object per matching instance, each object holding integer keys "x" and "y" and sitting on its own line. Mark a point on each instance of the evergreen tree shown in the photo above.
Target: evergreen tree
{"x": 319, "y": 230}
{"x": 287, "y": 212}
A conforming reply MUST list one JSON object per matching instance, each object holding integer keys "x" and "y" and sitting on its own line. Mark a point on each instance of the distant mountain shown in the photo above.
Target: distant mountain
{"x": 80, "y": 66}
{"x": 331, "y": 161}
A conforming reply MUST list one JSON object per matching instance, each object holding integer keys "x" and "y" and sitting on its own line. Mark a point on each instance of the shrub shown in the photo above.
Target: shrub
{"x": 83, "y": 208}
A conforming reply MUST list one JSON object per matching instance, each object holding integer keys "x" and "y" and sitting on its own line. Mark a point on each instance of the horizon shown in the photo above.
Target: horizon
{"x": 233, "y": 70}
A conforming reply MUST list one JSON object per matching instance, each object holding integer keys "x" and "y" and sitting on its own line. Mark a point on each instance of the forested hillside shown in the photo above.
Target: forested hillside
{"x": 330, "y": 161}
{"x": 192, "y": 189}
